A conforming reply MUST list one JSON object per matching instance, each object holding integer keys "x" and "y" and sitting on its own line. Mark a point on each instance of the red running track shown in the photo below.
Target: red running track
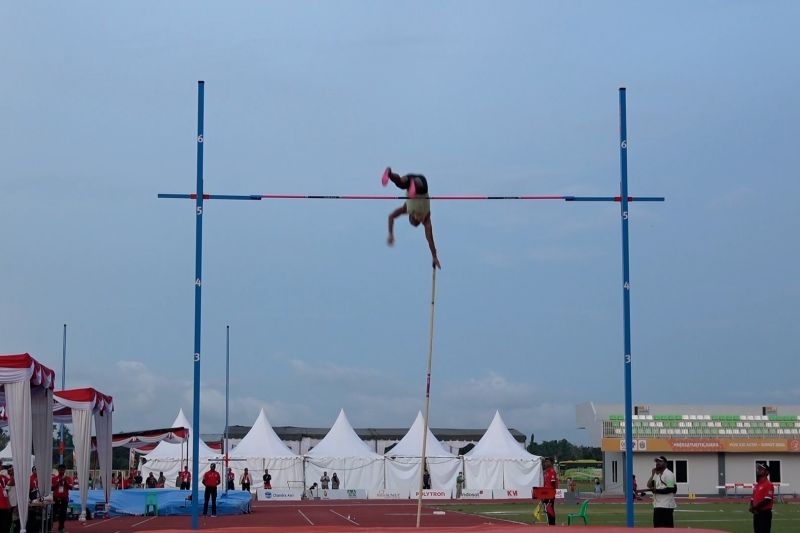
{"x": 324, "y": 517}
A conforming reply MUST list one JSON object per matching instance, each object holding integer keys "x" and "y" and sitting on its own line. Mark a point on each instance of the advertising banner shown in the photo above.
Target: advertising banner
{"x": 266, "y": 495}
{"x": 511, "y": 494}
{"x": 476, "y": 494}
{"x": 432, "y": 494}
{"x": 699, "y": 445}
{"x": 342, "y": 494}
{"x": 387, "y": 494}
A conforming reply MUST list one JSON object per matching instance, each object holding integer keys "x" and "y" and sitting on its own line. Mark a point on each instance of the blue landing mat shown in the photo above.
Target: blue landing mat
{"x": 170, "y": 502}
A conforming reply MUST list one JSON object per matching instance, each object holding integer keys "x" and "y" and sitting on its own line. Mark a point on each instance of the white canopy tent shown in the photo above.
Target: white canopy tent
{"x": 499, "y": 462}
{"x": 341, "y": 451}
{"x": 262, "y": 449}
{"x": 78, "y": 406}
{"x": 170, "y": 458}
{"x": 404, "y": 459}
{"x": 27, "y": 392}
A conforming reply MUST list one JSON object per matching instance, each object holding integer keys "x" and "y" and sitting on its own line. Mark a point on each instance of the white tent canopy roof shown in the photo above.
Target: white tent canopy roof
{"x": 342, "y": 441}
{"x": 168, "y": 450}
{"x": 261, "y": 441}
{"x": 497, "y": 443}
{"x": 411, "y": 444}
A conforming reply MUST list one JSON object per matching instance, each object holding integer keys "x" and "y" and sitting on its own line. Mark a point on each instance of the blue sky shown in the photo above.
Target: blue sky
{"x": 98, "y": 116}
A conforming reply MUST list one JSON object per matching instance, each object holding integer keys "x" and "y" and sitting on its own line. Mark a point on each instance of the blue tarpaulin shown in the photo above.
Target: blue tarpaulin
{"x": 170, "y": 502}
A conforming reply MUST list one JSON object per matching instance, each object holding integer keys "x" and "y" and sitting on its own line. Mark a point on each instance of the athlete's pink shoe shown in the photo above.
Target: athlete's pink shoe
{"x": 385, "y": 177}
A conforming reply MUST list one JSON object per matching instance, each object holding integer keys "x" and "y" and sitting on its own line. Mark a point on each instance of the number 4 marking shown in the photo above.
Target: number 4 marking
{"x": 197, "y": 282}
{"x": 626, "y": 285}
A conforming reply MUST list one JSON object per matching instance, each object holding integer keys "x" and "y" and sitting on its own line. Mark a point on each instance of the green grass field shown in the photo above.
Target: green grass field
{"x": 731, "y": 517}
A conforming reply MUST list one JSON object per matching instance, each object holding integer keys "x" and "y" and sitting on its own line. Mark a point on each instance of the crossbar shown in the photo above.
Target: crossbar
{"x": 192, "y": 196}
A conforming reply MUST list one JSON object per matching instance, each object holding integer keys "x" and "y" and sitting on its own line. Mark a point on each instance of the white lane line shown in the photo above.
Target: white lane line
{"x": 144, "y": 521}
{"x": 345, "y": 517}
{"x": 304, "y": 516}
{"x": 102, "y": 521}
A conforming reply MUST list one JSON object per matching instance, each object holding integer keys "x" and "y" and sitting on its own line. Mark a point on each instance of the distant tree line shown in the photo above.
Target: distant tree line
{"x": 563, "y": 450}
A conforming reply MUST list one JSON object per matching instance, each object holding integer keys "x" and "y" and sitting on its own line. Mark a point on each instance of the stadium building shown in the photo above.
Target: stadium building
{"x": 712, "y": 449}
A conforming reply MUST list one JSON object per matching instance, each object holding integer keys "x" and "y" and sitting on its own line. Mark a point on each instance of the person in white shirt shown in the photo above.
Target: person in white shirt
{"x": 662, "y": 485}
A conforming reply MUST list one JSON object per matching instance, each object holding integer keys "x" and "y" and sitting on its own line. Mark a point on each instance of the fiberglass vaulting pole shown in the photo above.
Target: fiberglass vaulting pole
{"x": 423, "y": 464}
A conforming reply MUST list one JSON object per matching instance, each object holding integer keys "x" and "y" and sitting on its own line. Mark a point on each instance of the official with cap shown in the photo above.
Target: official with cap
{"x": 761, "y": 502}
{"x": 662, "y": 485}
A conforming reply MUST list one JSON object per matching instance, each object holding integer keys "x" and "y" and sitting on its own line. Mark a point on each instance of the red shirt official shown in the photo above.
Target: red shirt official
{"x": 4, "y": 501}
{"x": 551, "y": 478}
{"x": 61, "y": 485}
{"x": 211, "y": 478}
{"x": 763, "y": 490}
{"x": 186, "y": 476}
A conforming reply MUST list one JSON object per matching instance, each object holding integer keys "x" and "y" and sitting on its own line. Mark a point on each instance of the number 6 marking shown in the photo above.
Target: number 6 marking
{"x": 623, "y": 144}
{"x": 199, "y": 138}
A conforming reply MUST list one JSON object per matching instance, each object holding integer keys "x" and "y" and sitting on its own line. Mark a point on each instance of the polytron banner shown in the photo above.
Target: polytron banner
{"x": 730, "y": 445}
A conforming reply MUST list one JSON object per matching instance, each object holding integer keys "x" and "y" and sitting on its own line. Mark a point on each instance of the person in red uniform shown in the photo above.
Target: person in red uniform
{"x": 550, "y": 481}
{"x": 186, "y": 478}
{"x": 61, "y": 483}
{"x": 33, "y": 486}
{"x": 211, "y": 480}
{"x": 5, "y": 503}
{"x": 230, "y": 477}
{"x": 246, "y": 480}
{"x": 761, "y": 502}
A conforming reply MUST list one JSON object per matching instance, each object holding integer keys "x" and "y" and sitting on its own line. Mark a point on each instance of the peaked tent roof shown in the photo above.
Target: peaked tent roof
{"x": 168, "y": 450}
{"x": 497, "y": 443}
{"x": 342, "y": 441}
{"x": 411, "y": 444}
{"x": 261, "y": 441}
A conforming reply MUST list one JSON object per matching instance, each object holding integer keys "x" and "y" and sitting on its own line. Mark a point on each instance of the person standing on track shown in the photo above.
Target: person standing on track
{"x": 61, "y": 483}
{"x": 186, "y": 478}
{"x": 551, "y": 482}
{"x": 762, "y": 500}
{"x": 662, "y": 485}
{"x": 245, "y": 480}
{"x": 211, "y": 480}
{"x": 230, "y": 477}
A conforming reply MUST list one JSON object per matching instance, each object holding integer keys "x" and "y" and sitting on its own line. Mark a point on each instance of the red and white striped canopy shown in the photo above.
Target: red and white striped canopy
{"x": 16, "y": 368}
{"x": 88, "y": 399}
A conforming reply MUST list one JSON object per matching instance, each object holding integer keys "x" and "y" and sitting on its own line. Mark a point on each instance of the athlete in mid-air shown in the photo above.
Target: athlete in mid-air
{"x": 417, "y": 206}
